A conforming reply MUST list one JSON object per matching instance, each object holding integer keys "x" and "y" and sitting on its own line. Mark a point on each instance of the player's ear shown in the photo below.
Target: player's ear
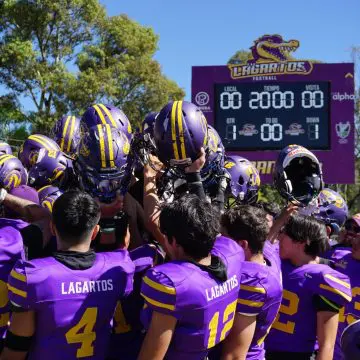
{"x": 328, "y": 230}
{"x": 244, "y": 244}
{"x": 95, "y": 232}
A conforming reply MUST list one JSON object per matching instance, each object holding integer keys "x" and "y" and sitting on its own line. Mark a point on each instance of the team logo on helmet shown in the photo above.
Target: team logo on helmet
{"x": 229, "y": 164}
{"x": 12, "y": 180}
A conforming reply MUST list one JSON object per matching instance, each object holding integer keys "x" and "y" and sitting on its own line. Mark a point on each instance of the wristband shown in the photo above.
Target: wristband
{"x": 3, "y": 194}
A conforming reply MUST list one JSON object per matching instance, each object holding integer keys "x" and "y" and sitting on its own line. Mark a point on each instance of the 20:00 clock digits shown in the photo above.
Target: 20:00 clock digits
{"x": 275, "y": 100}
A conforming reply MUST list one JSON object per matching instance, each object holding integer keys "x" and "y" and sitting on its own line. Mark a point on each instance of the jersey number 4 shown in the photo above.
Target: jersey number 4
{"x": 83, "y": 333}
{"x": 227, "y": 323}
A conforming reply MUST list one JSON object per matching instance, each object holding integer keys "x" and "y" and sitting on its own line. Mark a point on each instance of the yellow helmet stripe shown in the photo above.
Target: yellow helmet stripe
{"x": 102, "y": 146}
{"x": 5, "y": 157}
{"x": 181, "y": 130}
{"x": 47, "y": 204}
{"x": 101, "y": 115}
{"x": 71, "y": 135}
{"x": 42, "y": 141}
{"x": 108, "y": 113}
{"x": 64, "y": 133}
{"x": 44, "y": 187}
{"x": 110, "y": 143}
{"x": 173, "y": 130}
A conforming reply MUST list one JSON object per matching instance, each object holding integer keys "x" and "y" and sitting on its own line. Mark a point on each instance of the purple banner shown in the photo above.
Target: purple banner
{"x": 210, "y": 83}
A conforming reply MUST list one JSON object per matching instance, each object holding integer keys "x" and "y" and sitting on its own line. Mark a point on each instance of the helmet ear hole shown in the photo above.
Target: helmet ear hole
{"x": 241, "y": 180}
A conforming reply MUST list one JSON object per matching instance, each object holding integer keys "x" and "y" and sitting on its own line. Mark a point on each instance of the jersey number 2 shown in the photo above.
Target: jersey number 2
{"x": 228, "y": 320}
{"x": 290, "y": 309}
{"x": 83, "y": 332}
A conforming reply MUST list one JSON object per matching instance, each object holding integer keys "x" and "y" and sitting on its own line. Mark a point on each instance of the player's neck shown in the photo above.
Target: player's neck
{"x": 82, "y": 248}
{"x": 204, "y": 261}
{"x": 303, "y": 259}
{"x": 256, "y": 258}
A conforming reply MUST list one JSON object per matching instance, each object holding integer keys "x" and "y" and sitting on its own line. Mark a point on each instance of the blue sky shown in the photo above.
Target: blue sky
{"x": 200, "y": 32}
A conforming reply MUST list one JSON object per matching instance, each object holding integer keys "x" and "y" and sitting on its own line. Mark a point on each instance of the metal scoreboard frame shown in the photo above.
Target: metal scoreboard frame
{"x": 337, "y": 157}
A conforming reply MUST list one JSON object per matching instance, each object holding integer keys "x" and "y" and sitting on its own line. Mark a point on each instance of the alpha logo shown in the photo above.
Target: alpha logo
{"x": 342, "y": 96}
{"x": 270, "y": 55}
{"x": 202, "y": 98}
{"x": 343, "y": 131}
{"x": 248, "y": 130}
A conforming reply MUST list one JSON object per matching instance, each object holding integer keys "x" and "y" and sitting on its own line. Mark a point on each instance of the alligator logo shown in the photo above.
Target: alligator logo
{"x": 269, "y": 48}
{"x": 271, "y": 55}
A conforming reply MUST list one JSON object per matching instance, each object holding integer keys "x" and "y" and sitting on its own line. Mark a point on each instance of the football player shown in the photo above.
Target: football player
{"x": 128, "y": 331}
{"x": 63, "y": 304}
{"x": 260, "y": 288}
{"x": 347, "y": 261}
{"x": 11, "y": 249}
{"x": 190, "y": 302}
{"x": 312, "y": 297}
{"x": 102, "y": 166}
{"x": 350, "y": 341}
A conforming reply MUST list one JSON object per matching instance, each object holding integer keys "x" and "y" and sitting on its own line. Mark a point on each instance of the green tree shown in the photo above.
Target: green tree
{"x": 66, "y": 54}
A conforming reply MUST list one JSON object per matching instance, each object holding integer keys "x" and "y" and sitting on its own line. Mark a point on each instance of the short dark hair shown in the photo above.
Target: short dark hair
{"x": 246, "y": 222}
{"x": 193, "y": 223}
{"x": 271, "y": 208}
{"x": 307, "y": 229}
{"x": 75, "y": 214}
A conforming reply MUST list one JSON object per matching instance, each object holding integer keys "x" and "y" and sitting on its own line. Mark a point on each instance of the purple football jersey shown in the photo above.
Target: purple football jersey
{"x": 344, "y": 263}
{"x": 260, "y": 295}
{"x": 128, "y": 331}
{"x": 74, "y": 308}
{"x": 271, "y": 254}
{"x": 11, "y": 251}
{"x": 203, "y": 306}
{"x": 294, "y": 329}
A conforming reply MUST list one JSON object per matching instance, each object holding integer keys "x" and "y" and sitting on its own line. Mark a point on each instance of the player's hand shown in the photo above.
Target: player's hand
{"x": 198, "y": 164}
{"x": 110, "y": 210}
{"x": 286, "y": 213}
{"x": 156, "y": 166}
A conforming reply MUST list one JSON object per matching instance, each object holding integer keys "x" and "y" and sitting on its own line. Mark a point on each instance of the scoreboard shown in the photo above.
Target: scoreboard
{"x": 266, "y": 116}
{"x": 259, "y": 108}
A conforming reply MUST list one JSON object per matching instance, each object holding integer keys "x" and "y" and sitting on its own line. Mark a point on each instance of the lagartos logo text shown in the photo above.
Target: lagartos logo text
{"x": 275, "y": 68}
{"x": 342, "y": 96}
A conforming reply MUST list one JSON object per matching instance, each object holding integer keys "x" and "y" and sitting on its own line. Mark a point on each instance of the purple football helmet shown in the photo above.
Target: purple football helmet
{"x": 12, "y": 172}
{"x": 350, "y": 341}
{"x": 50, "y": 168}
{"x": 331, "y": 209}
{"x": 107, "y": 114}
{"x": 5, "y": 148}
{"x": 48, "y": 195}
{"x": 245, "y": 179}
{"x": 30, "y": 148}
{"x": 67, "y": 134}
{"x": 180, "y": 132}
{"x": 147, "y": 126}
{"x": 102, "y": 161}
{"x": 297, "y": 175}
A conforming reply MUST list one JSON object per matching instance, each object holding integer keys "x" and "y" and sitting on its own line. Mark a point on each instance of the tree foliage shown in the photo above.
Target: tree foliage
{"x": 67, "y": 54}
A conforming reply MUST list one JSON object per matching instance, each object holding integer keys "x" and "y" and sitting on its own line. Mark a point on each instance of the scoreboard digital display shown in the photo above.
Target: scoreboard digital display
{"x": 271, "y": 100}
{"x": 268, "y": 116}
